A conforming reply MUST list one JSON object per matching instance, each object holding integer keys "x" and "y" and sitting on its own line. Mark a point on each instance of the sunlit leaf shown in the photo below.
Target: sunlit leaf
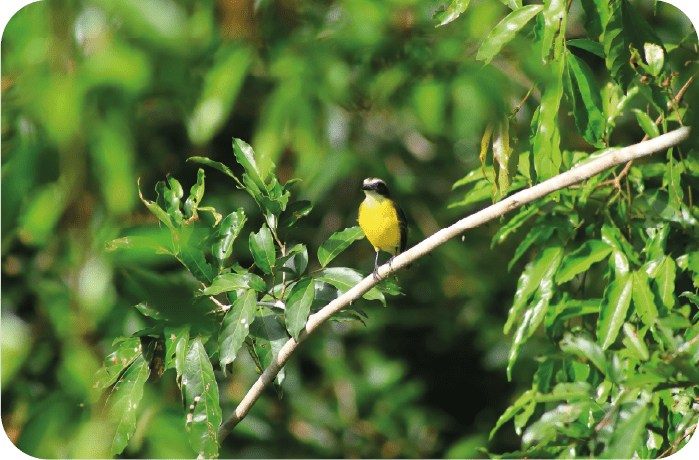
{"x": 338, "y": 242}
{"x": 505, "y": 31}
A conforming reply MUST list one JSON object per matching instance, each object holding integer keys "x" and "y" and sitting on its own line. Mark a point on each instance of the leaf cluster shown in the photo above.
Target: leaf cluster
{"x": 609, "y": 290}
{"x": 197, "y": 327}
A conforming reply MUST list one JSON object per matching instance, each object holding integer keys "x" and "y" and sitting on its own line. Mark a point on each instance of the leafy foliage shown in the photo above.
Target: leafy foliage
{"x": 96, "y": 94}
{"x": 202, "y": 251}
{"x": 604, "y": 278}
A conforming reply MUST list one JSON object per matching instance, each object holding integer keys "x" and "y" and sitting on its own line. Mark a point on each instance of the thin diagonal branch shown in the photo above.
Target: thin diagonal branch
{"x": 427, "y": 245}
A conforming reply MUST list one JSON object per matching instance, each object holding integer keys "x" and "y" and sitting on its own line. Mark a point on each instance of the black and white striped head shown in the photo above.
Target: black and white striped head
{"x": 375, "y": 185}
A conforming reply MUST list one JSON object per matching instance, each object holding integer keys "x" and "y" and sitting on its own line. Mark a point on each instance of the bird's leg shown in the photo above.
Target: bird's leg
{"x": 376, "y": 267}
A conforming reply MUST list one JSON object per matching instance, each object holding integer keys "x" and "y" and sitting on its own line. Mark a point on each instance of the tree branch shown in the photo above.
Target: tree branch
{"x": 526, "y": 196}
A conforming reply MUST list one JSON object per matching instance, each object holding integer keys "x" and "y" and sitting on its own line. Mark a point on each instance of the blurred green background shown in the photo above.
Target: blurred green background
{"x": 99, "y": 94}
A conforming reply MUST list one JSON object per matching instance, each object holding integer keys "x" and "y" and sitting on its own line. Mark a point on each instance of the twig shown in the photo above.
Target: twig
{"x": 427, "y": 245}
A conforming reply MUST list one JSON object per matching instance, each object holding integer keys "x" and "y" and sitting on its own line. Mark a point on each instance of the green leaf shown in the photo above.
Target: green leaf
{"x": 663, "y": 284}
{"x": 596, "y": 16}
{"x": 555, "y": 19}
{"x": 643, "y": 298}
{"x": 585, "y": 348}
{"x": 246, "y": 157}
{"x": 232, "y": 282}
{"x": 613, "y": 309}
{"x": 453, "y": 11}
{"x": 547, "y": 137}
{"x": 543, "y": 270}
{"x": 227, "y": 233}
{"x": 569, "y": 391}
{"x": 587, "y": 103}
{"x": 531, "y": 280}
{"x": 174, "y": 336}
{"x": 269, "y": 337}
{"x": 236, "y": 326}
{"x": 262, "y": 249}
{"x": 548, "y": 426}
{"x": 513, "y": 224}
{"x": 591, "y": 46}
{"x": 294, "y": 212}
{"x": 159, "y": 212}
{"x": 216, "y": 165}
{"x": 298, "y": 306}
{"x": 136, "y": 242}
{"x": 655, "y": 57}
{"x": 537, "y": 234}
{"x": 345, "y": 279}
{"x": 634, "y": 343}
{"x": 118, "y": 361}
{"x": 581, "y": 260}
{"x": 338, "y": 242}
{"x": 505, "y": 31}
{"x": 647, "y": 124}
{"x": 297, "y": 263}
{"x": 626, "y": 28}
{"x": 629, "y": 435}
{"x": 522, "y": 402}
{"x": 201, "y": 405}
{"x": 124, "y": 400}
{"x": 194, "y": 260}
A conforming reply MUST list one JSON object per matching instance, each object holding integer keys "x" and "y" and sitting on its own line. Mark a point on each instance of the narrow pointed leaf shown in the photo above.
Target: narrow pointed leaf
{"x": 236, "y": 326}
{"x": 262, "y": 249}
{"x": 338, "y": 242}
{"x": 505, "y": 31}
{"x": 298, "y": 306}
{"x": 124, "y": 400}
{"x": 233, "y": 281}
{"x": 581, "y": 260}
{"x": 269, "y": 337}
{"x": 613, "y": 309}
{"x": 246, "y": 157}
{"x": 200, "y": 393}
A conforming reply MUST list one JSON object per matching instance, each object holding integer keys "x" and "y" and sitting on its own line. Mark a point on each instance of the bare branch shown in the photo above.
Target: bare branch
{"x": 566, "y": 179}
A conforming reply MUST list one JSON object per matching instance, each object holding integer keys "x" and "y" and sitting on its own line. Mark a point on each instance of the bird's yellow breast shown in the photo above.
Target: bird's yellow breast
{"x": 379, "y": 221}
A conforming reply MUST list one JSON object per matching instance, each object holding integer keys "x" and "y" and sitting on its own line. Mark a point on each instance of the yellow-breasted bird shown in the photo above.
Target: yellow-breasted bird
{"x": 382, "y": 221}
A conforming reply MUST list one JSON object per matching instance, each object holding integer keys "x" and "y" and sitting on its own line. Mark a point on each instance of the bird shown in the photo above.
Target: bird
{"x": 382, "y": 221}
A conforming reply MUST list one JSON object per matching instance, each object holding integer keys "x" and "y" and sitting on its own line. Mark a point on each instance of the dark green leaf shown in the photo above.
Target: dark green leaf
{"x": 236, "y": 326}
{"x": 194, "y": 260}
{"x": 269, "y": 337}
{"x": 345, "y": 279}
{"x": 587, "y": 103}
{"x": 294, "y": 212}
{"x": 298, "y": 306}
{"x": 227, "y": 233}
{"x": 542, "y": 270}
{"x": 643, "y": 298}
{"x": 262, "y": 249}
{"x": 453, "y": 11}
{"x": 581, "y": 260}
{"x": 203, "y": 414}
{"x": 216, "y": 165}
{"x": 338, "y": 242}
{"x": 232, "y": 282}
{"x": 613, "y": 309}
{"x": 531, "y": 280}
{"x": 585, "y": 348}
{"x": 629, "y": 435}
{"x": 505, "y": 31}
{"x": 649, "y": 127}
{"x": 593, "y": 47}
{"x": 124, "y": 400}
{"x": 246, "y": 157}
